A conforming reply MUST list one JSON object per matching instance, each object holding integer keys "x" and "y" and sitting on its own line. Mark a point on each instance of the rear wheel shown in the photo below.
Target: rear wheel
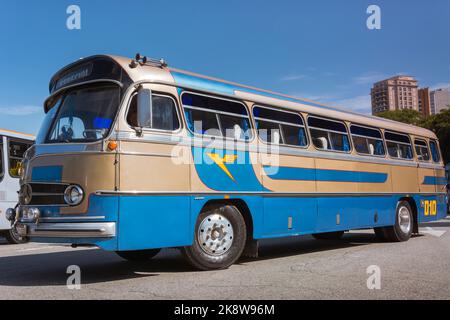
{"x": 220, "y": 236}
{"x": 329, "y": 235}
{"x": 138, "y": 255}
{"x": 13, "y": 236}
{"x": 403, "y": 227}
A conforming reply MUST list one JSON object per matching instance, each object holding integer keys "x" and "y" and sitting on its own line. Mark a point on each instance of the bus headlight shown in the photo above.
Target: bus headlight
{"x": 31, "y": 214}
{"x": 73, "y": 195}
{"x": 10, "y": 214}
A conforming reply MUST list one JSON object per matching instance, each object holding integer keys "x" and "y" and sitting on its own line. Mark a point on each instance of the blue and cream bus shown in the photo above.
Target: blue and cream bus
{"x": 134, "y": 156}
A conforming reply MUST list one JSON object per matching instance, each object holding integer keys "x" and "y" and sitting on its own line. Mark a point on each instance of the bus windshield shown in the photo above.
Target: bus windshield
{"x": 82, "y": 114}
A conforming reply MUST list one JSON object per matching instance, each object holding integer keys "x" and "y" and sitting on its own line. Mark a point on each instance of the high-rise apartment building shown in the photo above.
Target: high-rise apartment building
{"x": 396, "y": 93}
{"x": 439, "y": 100}
{"x": 424, "y": 102}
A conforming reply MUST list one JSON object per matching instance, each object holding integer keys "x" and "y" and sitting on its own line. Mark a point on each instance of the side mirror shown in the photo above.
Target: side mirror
{"x": 144, "y": 108}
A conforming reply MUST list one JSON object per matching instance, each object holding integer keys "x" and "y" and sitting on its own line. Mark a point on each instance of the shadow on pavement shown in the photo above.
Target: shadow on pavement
{"x": 97, "y": 266}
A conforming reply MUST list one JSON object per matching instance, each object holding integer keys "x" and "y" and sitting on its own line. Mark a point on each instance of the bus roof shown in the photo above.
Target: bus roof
{"x": 16, "y": 134}
{"x": 193, "y": 81}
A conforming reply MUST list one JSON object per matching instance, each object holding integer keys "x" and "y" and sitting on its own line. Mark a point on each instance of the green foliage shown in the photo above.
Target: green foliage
{"x": 406, "y": 116}
{"x": 439, "y": 124}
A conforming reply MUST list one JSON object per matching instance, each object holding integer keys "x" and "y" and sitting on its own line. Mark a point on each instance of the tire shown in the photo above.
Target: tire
{"x": 138, "y": 255}
{"x": 329, "y": 235}
{"x": 220, "y": 237}
{"x": 404, "y": 222}
{"x": 13, "y": 237}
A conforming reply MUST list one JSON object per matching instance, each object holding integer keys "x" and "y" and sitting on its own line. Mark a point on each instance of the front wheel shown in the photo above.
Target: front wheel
{"x": 220, "y": 236}
{"x": 138, "y": 255}
{"x": 13, "y": 236}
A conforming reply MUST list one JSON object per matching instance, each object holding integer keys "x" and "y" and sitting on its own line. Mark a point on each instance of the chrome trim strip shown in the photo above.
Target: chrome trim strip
{"x": 259, "y": 193}
{"x": 72, "y": 230}
{"x": 72, "y": 218}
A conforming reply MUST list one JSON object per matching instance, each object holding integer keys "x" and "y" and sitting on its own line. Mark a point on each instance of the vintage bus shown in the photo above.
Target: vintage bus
{"x": 134, "y": 156}
{"x": 12, "y": 147}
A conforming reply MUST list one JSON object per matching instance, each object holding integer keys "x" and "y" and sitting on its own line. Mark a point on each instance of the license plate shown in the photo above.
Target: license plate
{"x": 21, "y": 229}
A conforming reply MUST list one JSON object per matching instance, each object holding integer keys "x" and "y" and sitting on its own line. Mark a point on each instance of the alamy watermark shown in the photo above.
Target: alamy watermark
{"x": 74, "y": 280}
{"x": 374, "y": 20}
{"x": 73, "y": 21}
{"x": 374, "y": 279}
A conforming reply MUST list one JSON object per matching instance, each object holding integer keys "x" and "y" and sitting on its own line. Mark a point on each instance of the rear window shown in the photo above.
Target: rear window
{"x": 435, "y": 151}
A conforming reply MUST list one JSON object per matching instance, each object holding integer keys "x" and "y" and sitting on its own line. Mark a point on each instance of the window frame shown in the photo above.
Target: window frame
{"x": 279, "y": 123}
{"x": 147, "y": 129}
{"x": 438, "y": 150}
{"x": 403, "y": 143}
{"x": 2, "y": 158}
{"x": 333, "y": 131}
{"x": 428, "y": 147}
{"x": 8, "y": 141}
{"x": 372, "y": 128}
{"x": 217, "y": 113}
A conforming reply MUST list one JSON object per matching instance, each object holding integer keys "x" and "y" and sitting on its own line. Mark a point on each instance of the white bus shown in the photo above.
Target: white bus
{"x": 12, "y": 147}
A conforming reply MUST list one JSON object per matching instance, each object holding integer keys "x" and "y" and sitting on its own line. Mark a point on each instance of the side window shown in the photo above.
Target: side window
{"x": 163, "y": 116}
{"x": 16, "y": 152}
{"x": 399, "y": 145}
{"x": 422, "y": 151}
{"x": 211, "y": 116}
{"x": 367, "y": 141}
{"x": 328, "y": 134}
{"x": 280, "y": 127}
{"x": 435, "y": 151}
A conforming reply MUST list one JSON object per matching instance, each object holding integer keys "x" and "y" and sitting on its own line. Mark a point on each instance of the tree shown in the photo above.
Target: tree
{"x": 408, "y": 116}
{"x": 439, "y": 124}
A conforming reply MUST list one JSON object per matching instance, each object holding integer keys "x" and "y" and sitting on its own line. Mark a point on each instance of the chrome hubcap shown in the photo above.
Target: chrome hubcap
{"x": 404, "y": 219}
{"x": 215, "y": 234}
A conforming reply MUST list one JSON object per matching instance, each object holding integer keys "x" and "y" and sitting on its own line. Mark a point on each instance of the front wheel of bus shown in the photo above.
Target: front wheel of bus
{"x": 219, "y": 240}
{"x": 138, "y": 255}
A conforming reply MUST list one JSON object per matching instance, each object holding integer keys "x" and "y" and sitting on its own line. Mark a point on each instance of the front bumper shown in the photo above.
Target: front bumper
{"x": 68, "y": 230}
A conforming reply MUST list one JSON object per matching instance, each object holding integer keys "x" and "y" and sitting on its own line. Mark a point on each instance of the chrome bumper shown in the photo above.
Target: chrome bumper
{"x": 68, "y": 230}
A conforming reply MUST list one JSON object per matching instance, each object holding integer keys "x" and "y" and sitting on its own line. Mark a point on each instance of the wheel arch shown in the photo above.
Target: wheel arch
{"x": 415, "y": 212}
{"x": 241, "y": 205}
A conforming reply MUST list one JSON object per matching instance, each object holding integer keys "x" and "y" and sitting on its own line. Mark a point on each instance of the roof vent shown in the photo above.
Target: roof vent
{"x": 144, "y": 61}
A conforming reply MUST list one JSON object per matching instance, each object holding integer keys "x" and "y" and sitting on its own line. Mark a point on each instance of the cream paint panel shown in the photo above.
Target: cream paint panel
{"x": 91, "y": 171}
{"x": 422, "y": 173}
{"x": 154, "y": 169}
{"x": 375, "y": 187}
{"x": 326, "y": 164}
{"x": 404, "y": 179}
{"x": 287, "y": 185}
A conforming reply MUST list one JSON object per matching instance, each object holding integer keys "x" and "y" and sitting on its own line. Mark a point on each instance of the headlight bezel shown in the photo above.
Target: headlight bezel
{"x": 68, "y": 195}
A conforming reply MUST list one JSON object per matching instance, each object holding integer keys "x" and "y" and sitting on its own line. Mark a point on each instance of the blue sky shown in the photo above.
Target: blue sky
{"x": 315, "y": 49}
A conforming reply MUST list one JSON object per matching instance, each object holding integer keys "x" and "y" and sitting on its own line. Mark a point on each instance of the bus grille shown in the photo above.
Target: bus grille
{"x": 45, "y": 194}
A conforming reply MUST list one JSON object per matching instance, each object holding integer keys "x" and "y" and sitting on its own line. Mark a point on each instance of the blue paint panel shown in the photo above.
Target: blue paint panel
{"x": 215, "y": 178}
{"x": 306, "y": 174}
{"x": 434, "y": 181}
{"x": 441, "y": 207}
{"x": 47, "y": 174}
{"x": 354, "y": 212}
{"x": 147, "y": 222}
{"x": 183, "y": 79}
{"x": 202, "y": 84}
{"x": 278, "y": 210}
